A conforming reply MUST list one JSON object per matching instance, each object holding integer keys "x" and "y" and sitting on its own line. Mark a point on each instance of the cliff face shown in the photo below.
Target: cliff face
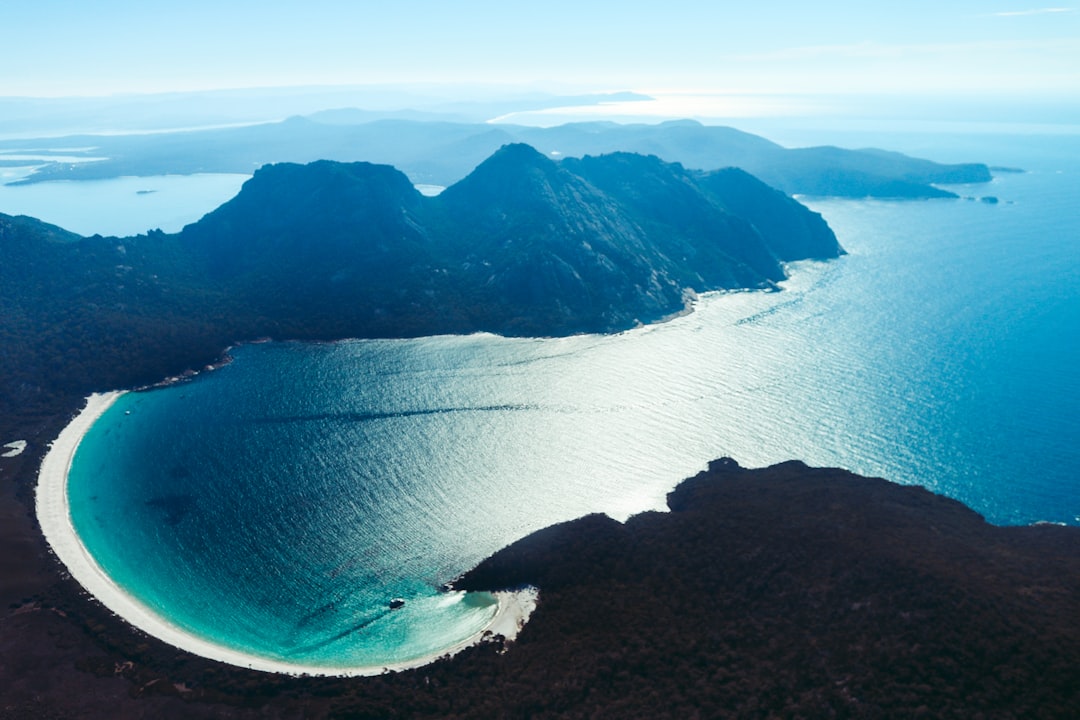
{"x": 706, "y": 245}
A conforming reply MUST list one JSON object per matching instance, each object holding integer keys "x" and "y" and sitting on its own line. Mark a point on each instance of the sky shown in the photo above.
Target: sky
{"x": 1007, "y": 49}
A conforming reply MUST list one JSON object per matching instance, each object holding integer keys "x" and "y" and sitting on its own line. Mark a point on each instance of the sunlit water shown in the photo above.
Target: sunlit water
{"x": 277, "y": 504}
{"x": 117, "y": 206}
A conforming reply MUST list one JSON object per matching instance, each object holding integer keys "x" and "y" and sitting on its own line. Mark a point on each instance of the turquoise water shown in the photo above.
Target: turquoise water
{"x": 278, "y": 503}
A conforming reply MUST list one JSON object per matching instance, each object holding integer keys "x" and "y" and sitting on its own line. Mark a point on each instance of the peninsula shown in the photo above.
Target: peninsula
{"x": 524, "y": 245}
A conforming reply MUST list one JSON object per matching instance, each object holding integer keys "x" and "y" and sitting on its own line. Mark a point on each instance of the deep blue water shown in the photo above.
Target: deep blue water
{"x": 278, "y": 503}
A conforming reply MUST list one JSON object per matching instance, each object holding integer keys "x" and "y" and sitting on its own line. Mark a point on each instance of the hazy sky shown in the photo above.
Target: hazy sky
{"x": 59, "y": 47}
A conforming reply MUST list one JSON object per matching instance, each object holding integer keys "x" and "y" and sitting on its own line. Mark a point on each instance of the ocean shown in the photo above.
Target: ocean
{"x": 277, "y": 505}
{"x": 117, "y": 206}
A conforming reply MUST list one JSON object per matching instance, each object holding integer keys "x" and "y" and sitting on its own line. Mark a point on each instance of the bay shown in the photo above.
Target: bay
{"x": 276, "y": 504}
{"x": 121, "y": 206}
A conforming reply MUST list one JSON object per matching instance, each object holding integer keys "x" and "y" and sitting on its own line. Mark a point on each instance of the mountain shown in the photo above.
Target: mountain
{"x": 823, "y": 171}
{"x": 792, "y": 232}
{"x": 524, "y": 245}
{"x": 554, "y": 241}
{"x": 442, "y": 153}
{"x": 164, "y": 112}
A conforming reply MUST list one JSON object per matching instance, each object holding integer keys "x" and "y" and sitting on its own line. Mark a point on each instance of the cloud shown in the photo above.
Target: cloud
{"x": 870, "y": 50}
{"x": 1040, "y": 11}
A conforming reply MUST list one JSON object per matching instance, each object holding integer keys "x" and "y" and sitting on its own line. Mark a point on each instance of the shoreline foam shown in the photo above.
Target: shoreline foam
{"x": 54, "y": 517}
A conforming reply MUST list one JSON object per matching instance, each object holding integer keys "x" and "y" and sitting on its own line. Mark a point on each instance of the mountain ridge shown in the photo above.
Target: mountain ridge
{"x": 524, "y": 245}
{"x": 537, "y": 243}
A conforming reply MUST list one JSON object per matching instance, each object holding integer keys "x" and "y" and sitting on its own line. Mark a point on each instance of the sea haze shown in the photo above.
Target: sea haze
{"x": 276, "y": 505}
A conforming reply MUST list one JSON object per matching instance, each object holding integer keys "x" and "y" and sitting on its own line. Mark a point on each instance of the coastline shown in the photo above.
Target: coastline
{"x": 54, "y": 517}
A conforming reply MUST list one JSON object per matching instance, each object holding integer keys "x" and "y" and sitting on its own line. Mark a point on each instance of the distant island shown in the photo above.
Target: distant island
{"x": 438, "y": 152}
{"x": 524, "y": 245}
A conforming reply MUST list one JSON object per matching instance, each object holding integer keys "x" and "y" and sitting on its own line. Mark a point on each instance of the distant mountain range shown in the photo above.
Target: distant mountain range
{"x": 524, "y": 245}
{"x": 165, "y": 112}
{"x": 441, "y": 153}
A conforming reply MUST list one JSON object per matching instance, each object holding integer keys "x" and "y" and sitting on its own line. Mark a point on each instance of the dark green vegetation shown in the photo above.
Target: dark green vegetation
{"x": 783, "y": 592}
{"x": 798, "y": 592}
{"x": 523, "y": 245}
{"x": 443, "y": 152}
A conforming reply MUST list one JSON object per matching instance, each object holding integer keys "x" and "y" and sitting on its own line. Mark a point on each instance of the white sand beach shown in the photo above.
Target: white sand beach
{"x": 514, "y": 611}
{"x": 15, "y": 448}
{"x": 54, "y": 516}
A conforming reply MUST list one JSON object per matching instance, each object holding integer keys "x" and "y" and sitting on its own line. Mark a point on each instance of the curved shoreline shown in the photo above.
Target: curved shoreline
{"x": 54, "y": 517}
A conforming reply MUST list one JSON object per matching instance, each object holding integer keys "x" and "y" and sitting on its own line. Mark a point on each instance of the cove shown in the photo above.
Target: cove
{"x": 274, "y": 506}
